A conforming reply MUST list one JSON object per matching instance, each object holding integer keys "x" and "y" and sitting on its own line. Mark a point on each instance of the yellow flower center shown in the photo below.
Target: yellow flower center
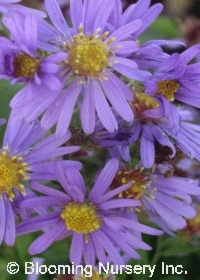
{"x": 88, "y": 54}
{"x": 137, "y": 189}
{"x": 12, "y": 171}
{"x": 25, "y": 66}
{"x": 143, "y": 102}
{"x": 168, "y": 88}
{"x": 81, "y": 217}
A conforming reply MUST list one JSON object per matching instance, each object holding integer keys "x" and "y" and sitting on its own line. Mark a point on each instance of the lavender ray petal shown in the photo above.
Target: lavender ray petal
{"x": 76, "y": 249}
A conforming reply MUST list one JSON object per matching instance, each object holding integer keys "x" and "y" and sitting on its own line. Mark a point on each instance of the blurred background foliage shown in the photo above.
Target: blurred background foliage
{"x": 180, "y": 20}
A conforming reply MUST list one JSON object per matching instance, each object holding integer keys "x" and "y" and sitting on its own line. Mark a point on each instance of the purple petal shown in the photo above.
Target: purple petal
{"x": 57, "y": 18}
{"x": 173, "y": 220}
{"x": 43, "y": 201}
{"x": 75, "y": 193}
{"x": 126, "y": 47}
{"x": 134, "y": 241}
{"x": 88, "y": 109}
{"x": 2, "y": 219}
{"x": 49, "y": 191}
{"x": 74, "y": 178}
{"x": 31, "y": 33}
{"x": 117, "y": 203}
{"x": 71, "y": 93}
{"x": 112, "y": 193}
{"x": 106, "y": 243}
{"x": 122, "y": 244}
{"x": 136, "y": 11}
{"x": 103, "y": 110}
{"x": 90, "y": 10}
{"x": 178, "y": 206}
{"x": 115, "y": 17}
{"x": 118, "y": 101}
{"x": 103, "y": 14}
{"x": 149, "y": 17}
{"x": 126, "y": 30}
{"x": 89, "y": 252}
{"x": 76, "y": 249}
{"x": 136, "y": 226}
{"x": 44, "y": 241}
{"x": 38, "y": 223}
{"x": 104, "y": 179}
{"x": 100, "y": 252}
{"x": 121, "y": 87}
{"x": 189, "y": 54}
{"x": 147, "y": 149}
{"x": 76, "y": 9}
{"x": 51, "y": 115}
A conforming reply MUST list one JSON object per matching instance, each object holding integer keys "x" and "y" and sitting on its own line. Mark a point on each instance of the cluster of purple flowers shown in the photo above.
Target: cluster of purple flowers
{"x": 134, "y": 102}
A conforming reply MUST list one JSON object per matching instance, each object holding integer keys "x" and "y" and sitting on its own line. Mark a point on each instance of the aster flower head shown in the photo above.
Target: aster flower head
{"x": 154, "y": 118}
{"x": 95, "y": 56}
{"x": 150, "y": 52}
{"x": 166, "y": 200}
{"x": 92, "y": 220}
{"x": 24, "y": 157}
{"x": 176, "y": 78}
{"x": 188, "y": 135}
{"x": 137, "y": 11}
{"x": 22, "y": 60}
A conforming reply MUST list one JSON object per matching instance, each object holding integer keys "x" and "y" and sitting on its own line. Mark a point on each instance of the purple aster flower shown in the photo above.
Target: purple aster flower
{"x": 22, "y": 61}
{"x": 26, "y": 155}
{"x": 167, "y": 201}
{"x": 152, "y": 117}
{"x": 94, "y": 55}
{"x": 187, "y": 138}
{"x": 176, "y": 78}
{"x": 117, "y": 142}
{"x": 150, "y": 52}
{"x": 92, "y": 220}
{"x": 137, "y": 11}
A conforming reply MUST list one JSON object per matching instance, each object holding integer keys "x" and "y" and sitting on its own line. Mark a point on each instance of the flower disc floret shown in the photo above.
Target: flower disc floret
{"x": 25, "y": 66}
{"x": 88, "y": 54}
{"x": 143, "y": 102}
{"x": 12, "y": 170}
{"x": 81, "y": 217}
{"x": 168, "y": 88}
{"x": 138, "y": 187}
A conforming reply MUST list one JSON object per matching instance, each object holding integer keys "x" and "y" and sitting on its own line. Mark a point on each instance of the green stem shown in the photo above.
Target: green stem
{"x": 157, "y": 252}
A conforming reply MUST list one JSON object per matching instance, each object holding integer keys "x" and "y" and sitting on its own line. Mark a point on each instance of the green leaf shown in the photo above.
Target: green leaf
{"x": 162, "y": 28}
{"x": 176, "y": 246}
{"x": 6, "y": 94}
